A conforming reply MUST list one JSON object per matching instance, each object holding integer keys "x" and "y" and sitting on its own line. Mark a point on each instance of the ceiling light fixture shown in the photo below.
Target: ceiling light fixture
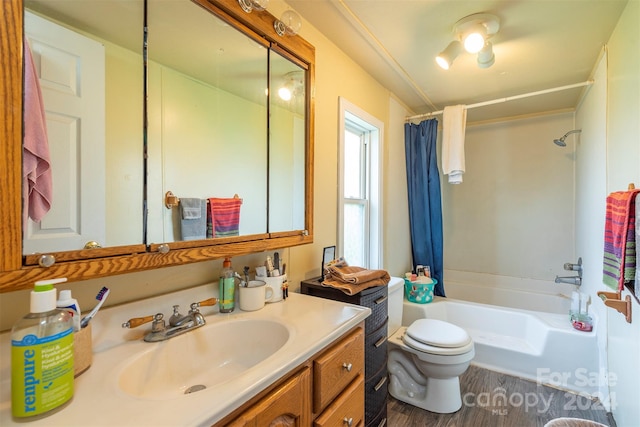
{"x": 486, "y": 57}
{"x": 446, "y": 57}
{"x": 250, "y": 5}
{"x": 288, "y": 24}
{"x": 472, "y": 32}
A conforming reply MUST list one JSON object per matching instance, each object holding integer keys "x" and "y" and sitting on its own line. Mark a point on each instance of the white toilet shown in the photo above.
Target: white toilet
{"x": 425, "y": 358}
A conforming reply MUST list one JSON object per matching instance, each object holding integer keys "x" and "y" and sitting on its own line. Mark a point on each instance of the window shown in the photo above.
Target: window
{"x": 359, "y": 216}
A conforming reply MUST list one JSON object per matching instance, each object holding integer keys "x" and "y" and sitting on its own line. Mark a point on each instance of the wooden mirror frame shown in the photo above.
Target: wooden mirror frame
{"x": 18, "y": 272}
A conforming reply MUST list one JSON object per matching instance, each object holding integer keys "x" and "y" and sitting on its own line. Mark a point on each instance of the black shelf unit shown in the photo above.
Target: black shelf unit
{"x": 375, "y": 353}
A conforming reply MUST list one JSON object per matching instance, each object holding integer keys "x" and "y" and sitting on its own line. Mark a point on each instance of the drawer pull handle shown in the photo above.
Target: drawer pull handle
{"x": 347, "y": 366}
{"x": 381, "y": 341}
{"x": 380, "y": 383}
{"x": 381, "y": 300}
{"x": 347, "y": 421}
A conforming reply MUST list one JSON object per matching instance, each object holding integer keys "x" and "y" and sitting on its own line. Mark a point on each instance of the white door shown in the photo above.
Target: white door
{"x": 71, "y": 70}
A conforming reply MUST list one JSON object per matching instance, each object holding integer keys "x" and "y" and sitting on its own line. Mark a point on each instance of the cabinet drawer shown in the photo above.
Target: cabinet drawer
{"x": 378, "y": 304}
{"x": 375, "y": 388}
{"x": 287, "y": 405}
{"x": 347, "y": 410}
{"x": 336, "y": 368}
{"x": 380, "y": 420}
{"x": 375, "y": 350}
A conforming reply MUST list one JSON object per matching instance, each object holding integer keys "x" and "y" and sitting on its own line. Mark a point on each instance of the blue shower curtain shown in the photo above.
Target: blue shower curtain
{"x": 425, "y": 206}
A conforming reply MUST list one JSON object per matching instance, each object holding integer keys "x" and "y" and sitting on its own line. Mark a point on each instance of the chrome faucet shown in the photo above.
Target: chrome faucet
{"x": 572, "y": 280}
{"x": 178, "y": 324}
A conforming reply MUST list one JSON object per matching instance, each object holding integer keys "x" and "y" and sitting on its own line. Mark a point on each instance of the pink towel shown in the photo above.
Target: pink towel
{"x": 37, "y": 182}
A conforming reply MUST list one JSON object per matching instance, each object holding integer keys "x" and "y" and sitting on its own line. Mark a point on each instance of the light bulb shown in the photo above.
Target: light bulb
{"x": 284, "y": 93}
{"x": 289, "y": 23}
{"x": 473, "y": 42}
{"x": 446, "y": 57}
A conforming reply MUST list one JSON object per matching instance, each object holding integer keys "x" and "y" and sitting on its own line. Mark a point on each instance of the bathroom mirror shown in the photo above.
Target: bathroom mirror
{"x": 127, "y": 194}
{"x": 207, "y": 133}
{"x": 87, "y": 56}
{"x": 287, "y": 118}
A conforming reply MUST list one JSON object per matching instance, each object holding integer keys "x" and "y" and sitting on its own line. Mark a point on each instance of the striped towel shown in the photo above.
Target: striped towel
{"x": 619, "y": 239}
{"x": 223, "y": 217}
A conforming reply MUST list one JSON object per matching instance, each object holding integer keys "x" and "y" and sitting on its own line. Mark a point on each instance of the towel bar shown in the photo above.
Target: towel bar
{"x": 172, "y": 201}
{"x": 613, "y": 300}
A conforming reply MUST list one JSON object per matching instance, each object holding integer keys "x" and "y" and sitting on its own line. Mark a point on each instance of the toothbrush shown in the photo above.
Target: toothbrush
{"x": 101, "y": 297}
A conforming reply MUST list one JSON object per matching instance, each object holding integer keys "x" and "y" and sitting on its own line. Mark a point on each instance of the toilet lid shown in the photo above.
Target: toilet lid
{"x": 437, "y": 333}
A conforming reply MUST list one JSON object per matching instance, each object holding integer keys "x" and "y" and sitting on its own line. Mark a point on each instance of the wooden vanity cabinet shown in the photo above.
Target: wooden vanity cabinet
{"x": 289, "y": 405}
{"x": 326, "y": 390}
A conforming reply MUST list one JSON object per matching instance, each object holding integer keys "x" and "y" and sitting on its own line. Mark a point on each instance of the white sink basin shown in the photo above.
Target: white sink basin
{"x": 202, "y": 358}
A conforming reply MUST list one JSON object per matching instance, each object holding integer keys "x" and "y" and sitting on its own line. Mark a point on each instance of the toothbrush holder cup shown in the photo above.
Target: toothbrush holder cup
{"x": 255, "y": 295}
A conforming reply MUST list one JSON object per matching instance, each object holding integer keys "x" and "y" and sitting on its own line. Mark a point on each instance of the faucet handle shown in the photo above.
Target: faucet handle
{"x": 138, "y": 321}
{"x": 205, "y": 303}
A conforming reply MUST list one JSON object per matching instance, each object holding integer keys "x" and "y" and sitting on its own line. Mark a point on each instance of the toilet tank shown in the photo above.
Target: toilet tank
{"x": 396, "y": 296}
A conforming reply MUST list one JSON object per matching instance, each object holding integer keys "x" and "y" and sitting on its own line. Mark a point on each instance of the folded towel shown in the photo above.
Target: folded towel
{"x": 224, "y": 217}
{"x": 37, "y": 183}
{"x": 194, "y": 229}
{"x": 454, "y": 123}
{"x": 620, "y": 239}
{"x": 353, "y": 280}
{"x": 191, "y": 208}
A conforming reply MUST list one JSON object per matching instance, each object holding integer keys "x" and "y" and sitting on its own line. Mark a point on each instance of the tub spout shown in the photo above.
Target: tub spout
{"x": 572, "y": 280}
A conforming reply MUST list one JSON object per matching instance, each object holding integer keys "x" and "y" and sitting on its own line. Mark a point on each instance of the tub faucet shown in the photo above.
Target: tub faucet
{"x": 572, "y": 280}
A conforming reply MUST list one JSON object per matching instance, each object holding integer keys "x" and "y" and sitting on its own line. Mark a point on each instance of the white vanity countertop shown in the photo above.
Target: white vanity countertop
{"x": 98, "y": 401}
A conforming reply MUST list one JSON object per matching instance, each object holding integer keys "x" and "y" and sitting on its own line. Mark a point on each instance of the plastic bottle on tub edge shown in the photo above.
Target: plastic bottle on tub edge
{"x": 42, "y": 355}
{"x": 227, "y": 287}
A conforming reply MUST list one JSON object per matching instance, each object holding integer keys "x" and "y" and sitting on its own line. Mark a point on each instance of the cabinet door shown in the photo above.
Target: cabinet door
{"x": 287, "y": 406}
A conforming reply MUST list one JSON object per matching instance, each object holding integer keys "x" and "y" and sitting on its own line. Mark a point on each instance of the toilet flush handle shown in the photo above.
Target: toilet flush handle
{"x": 347, "y": 366}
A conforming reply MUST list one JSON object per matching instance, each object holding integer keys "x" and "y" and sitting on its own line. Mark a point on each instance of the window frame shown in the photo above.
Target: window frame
{"x": 354, "y": 118}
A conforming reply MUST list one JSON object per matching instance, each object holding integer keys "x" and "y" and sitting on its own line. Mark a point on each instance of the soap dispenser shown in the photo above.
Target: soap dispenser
{"x": 42, "y": 367}
{"x": 227, "y": 287}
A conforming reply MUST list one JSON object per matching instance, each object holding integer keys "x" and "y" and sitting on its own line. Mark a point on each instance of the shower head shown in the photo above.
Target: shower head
{"x": 560, "y": 142}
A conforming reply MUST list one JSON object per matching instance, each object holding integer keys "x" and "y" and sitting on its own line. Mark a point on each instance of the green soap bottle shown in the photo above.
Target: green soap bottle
{"x": 42, "y": 355}
{"x": 227, "y": 287}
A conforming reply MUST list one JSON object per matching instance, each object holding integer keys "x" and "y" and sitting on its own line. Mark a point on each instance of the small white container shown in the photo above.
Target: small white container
{"x": 65, "y": 301}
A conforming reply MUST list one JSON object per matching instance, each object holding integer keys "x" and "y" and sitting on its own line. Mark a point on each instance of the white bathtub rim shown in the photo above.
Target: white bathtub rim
{"x": 562, "y": 319}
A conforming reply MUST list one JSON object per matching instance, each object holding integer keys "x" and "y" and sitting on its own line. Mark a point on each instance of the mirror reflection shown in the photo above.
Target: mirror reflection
{"x": 225, "y": 132}
{"x": 90, "y": 74}
{"x": 288, "y": 103}
{"x": 207, "y": 126}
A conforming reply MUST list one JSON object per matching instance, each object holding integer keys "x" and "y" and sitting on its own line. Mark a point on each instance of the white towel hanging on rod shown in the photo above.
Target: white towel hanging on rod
{"x": 508, "y": 98}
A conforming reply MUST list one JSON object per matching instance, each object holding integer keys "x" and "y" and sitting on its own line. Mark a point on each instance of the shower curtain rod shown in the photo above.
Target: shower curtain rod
{"x": 508, "y": 98}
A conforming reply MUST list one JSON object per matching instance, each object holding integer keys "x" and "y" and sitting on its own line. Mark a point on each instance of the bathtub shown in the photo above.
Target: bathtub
{"x": 538, "y": 346}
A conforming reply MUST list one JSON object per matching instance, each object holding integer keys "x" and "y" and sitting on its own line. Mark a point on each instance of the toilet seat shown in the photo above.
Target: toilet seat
{"x": 437, "y": 337}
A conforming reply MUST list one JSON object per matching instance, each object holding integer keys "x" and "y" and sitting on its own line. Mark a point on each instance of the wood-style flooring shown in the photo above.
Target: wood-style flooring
{"x": 495, "y": 400}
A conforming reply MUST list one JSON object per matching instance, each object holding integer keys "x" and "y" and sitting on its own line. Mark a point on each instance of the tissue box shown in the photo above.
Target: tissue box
{"x": 82, "y": 350}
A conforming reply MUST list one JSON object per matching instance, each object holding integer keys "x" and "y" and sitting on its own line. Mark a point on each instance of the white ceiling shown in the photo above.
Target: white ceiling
{"x": 541, "y": 44}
